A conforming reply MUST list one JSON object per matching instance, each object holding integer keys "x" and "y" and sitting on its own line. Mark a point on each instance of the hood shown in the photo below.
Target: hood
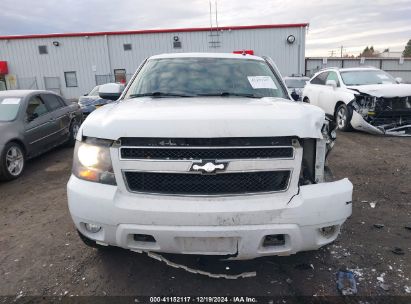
{"x": 88, "y": 99}
{"x": 384, "y": 90}
{"x": 206, "y": 117}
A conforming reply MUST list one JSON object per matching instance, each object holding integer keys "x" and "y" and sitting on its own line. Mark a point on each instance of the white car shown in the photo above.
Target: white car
{"x": 366, "y": 99}
{"x": 206, "y": 154}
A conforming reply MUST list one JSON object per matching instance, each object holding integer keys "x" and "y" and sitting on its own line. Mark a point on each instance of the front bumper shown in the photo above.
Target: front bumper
{"x": 233, "y": 225}
{"x": 359, "y": 123}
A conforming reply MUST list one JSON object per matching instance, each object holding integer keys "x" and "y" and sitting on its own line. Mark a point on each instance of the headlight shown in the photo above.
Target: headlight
{"x": 92, "y": 161}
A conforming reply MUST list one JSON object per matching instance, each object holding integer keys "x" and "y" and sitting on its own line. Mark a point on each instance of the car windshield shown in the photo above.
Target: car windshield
{"x": 295, "y": 83}
{"x": 9, "y": 107}
{"x": 94, "y": 92}
{"x": 188, "y": 77}
{"x": 365, "y": 77}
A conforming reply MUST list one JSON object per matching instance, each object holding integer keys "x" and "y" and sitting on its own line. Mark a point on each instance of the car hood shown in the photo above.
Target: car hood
{"x": 384, "y": 90}
{"x": 204, "y": 118}
{"x": 88, "y": 99}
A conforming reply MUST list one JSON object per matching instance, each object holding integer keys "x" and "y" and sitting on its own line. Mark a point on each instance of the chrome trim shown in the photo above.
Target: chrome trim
{"x": 206, "y": 195}
{"x": 48, "y": 135}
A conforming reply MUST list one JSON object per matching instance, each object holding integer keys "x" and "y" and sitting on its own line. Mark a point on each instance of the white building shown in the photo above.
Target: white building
{"x": 72, "y": 64}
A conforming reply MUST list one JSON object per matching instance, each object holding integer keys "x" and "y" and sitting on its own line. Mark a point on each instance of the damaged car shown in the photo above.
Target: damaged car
{"x": 206, "y": 154}
{"x": 366, "y": 99}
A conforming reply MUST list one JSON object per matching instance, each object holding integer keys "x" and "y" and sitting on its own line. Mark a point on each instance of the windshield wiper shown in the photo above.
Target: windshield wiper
{"x": 224, "y": 94}
{"x": 160, "y": 94}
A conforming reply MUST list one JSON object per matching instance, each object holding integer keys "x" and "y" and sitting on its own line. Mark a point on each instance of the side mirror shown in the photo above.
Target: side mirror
{"x": 331, "y": 83}
{"x": 398, "y": 80}
{"x": 110, "y": 91}
{"x": 295, "y": 96}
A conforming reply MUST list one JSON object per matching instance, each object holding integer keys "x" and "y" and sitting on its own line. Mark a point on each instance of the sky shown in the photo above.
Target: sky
{"x": 352, "y": 24}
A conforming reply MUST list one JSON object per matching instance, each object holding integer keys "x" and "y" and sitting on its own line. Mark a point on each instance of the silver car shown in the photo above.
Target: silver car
{"x": 32, "y": 122}
{"x": 295, "y": 85}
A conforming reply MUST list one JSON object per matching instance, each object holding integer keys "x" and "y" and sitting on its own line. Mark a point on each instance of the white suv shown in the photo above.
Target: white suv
{"x": 206, "y": 154}
{"x": 366, "y": 99}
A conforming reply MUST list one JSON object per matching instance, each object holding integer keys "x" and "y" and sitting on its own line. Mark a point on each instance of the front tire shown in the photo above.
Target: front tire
{"x": 343, "y": 118}
{"x": 12, "y": 161}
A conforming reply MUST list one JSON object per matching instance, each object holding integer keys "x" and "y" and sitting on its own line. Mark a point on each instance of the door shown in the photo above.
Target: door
{"x": 61, "y": 119}
{"x": 313, "y": 90}
{"x": 328, "y": 96}
{"x": 38, "y": 125}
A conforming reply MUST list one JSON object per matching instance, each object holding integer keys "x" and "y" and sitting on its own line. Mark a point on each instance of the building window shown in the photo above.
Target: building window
{"x": 177, "y": 44}
{"x": 120, "y": 76}
{"x": 71, "y": 79}
{"x": 127, "y": 46}
{"x": 43, "y": 49}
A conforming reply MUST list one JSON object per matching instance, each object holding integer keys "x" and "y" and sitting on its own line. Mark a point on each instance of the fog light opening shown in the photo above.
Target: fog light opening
{"x": 93, "y": 228}
{"x": 144, "y": 238}
{"x": 328, "y": 231}
{"x": 274, "y": 240}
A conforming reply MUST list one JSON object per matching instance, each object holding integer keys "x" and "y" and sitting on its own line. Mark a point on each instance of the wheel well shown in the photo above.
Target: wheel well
{"x": 18, "y": 141}
{"x": 305, "y": 98}
{"x": 337, "y": 106}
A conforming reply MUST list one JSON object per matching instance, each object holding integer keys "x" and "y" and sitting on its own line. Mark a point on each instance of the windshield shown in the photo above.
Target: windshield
{"x": 205, "y": 76}
{"x": 94, "y": 92}
{"x": 365, "y": 77}
{"x": 295, "y": 83}
{"x": 9, "y": 107}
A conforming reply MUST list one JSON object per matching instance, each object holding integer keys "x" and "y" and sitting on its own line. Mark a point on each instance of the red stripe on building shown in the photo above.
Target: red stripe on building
{"x": 155, "y": 31}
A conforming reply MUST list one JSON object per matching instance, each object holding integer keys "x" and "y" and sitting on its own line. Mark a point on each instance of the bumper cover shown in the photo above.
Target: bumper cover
{"x": 359, "y": 123}
{"x": 233, "y": 225}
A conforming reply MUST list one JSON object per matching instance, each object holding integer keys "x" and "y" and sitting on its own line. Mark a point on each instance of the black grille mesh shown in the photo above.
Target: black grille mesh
{"x": 203, "y": 184}
{"x": 229, "y": 153}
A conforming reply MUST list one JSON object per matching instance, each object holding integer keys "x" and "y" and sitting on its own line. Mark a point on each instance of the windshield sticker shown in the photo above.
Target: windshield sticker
{"x": 14, "y": 101}
{"x": 262, "y": 82}
{"x": 382, "y": 76}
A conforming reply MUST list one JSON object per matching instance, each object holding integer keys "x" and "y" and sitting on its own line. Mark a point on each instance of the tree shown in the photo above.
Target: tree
{"x": 369, "y": 52}
{"x": 407, "y": 50}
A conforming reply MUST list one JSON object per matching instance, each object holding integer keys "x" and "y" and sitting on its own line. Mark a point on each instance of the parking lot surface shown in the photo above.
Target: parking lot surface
{"x": 41, "y": 254}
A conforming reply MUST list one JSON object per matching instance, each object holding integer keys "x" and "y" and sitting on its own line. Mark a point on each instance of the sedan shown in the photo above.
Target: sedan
{"x": 31, "y": 123}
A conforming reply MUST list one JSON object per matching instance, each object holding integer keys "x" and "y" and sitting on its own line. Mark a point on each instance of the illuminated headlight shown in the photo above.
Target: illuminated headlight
{"x": 92, "y": 161}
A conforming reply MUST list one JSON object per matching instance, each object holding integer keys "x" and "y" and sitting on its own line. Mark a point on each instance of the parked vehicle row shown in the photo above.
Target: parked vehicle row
{"x": 217, "y": 161}
{"x": 31, "y": 123}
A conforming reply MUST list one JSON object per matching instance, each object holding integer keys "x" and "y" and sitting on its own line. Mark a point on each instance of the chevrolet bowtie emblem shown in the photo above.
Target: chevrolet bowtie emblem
{"x": 208, "y": 167}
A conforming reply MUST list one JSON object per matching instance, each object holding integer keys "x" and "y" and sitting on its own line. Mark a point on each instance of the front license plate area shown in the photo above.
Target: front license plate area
{"x": 208, "y": 245}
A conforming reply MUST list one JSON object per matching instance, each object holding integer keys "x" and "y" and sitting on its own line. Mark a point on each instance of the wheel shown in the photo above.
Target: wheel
{"x": 91, "y": 243}
{"x": 343, "y": 118}
{"x": 74, "y": 127}
{"x": 306, "y": 99}
{"x": 12, "y": 161}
